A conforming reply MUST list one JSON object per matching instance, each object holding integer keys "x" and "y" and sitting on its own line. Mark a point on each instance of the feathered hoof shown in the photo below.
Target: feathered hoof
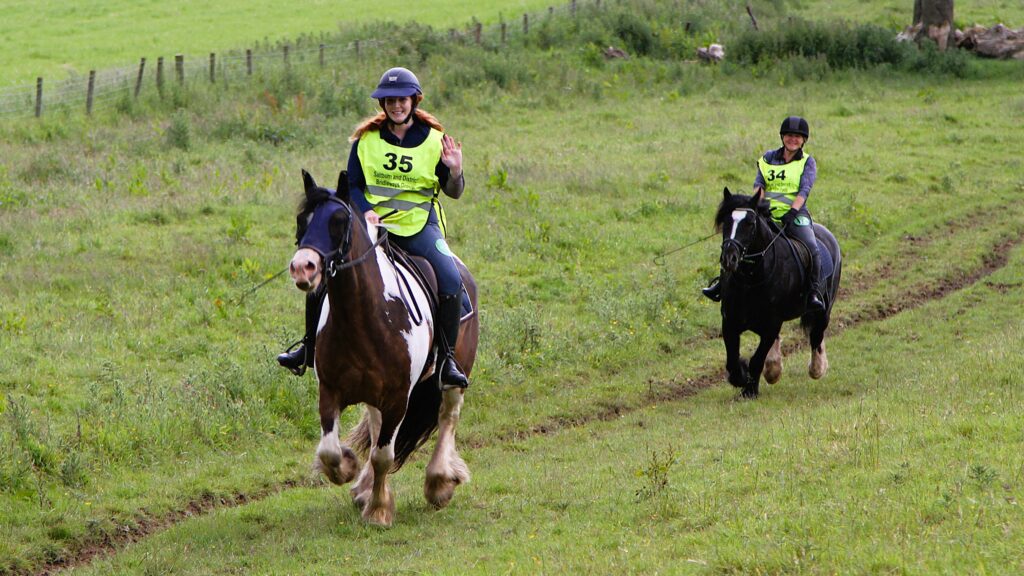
{"x": 439, "y": 490}
{"x": 339, "y": 467}
{"x": 361, "y": 499}
{"x": 382, "y": 515}
{"x": 818, "y": 366}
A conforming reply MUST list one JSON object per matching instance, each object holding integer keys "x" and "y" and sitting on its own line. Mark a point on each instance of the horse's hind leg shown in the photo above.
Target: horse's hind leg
{"x": 337, "y": 462}
{"x": 773, "y": 363}
{"x": 446, "y": 469}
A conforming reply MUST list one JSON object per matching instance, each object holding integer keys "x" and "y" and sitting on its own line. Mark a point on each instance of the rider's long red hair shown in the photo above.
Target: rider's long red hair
{"x": 373, "y": 123}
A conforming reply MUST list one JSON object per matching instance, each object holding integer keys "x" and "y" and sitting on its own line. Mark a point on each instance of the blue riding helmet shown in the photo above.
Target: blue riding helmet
{"x": 397, "y": 82}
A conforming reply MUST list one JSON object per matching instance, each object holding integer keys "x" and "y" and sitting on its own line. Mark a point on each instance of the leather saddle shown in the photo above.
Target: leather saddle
{"x": 423, "y": 274}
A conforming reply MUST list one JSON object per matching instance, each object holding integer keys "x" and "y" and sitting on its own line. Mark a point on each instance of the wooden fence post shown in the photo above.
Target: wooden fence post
{"x": 526, "y": 24}
{"x": 573, "y": 8}
{"x": 287, "y": 64}
{"x": 179, "y": 67}
{"x": 357, "y": 48}
{"x": 476, "y": 32}
{"x": 551, "y": 11}
{"x": 504, "y": 31}
{"x": 39, "y": 96}
{"x": 321, "y": 55}
{"x": 248, "y": 61}
{"x": 213, "y": 68}
{"x": 138, "y": 79}
{"x": 89, "y": 92}
{"x": 160, "y": 75}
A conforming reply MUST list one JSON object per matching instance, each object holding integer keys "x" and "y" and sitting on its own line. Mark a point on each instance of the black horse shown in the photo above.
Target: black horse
{"x": 763, "y": 285}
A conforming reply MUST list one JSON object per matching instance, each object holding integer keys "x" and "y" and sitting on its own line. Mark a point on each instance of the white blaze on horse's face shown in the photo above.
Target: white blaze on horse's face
{"x": 305, "y": 269}
{"x": 737, "y": 217}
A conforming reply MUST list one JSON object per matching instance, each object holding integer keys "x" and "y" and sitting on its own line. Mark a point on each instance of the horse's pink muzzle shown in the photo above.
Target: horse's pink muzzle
{"x": 305, "y": 269}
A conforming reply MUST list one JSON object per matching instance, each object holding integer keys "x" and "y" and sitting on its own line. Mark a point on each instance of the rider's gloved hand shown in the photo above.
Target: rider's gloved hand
{"x": 789, "y": 216}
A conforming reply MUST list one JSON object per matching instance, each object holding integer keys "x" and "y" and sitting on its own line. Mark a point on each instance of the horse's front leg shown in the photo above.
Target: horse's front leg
{"x": 380, "y": 510}
{"x": 757, "y": 362}
{"x": 734, "y": 365}
{"x": 446, "y": 469}
{"x": 339, "y": 463}
{"x": 363, "y": 487}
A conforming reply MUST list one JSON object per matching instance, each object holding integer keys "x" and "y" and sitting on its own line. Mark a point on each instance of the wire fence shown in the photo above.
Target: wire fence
{"x": 105, "y": 89}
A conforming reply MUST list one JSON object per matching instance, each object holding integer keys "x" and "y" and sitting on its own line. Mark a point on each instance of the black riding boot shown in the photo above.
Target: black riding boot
{"x": 449, "y": 312}
{"x": 714, "y": 290}
{"x": 298, "y": 359}
{"x": 814, "y": 301}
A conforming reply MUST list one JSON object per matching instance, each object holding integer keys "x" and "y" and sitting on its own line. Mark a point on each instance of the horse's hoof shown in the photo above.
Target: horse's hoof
{"x": 339, "y": 468}
{"x": 818, "y": 365}
{"x": 439, "y": 490}
{"x": 817, "y": 370}
{"x": 772, "y": 372}
{"x": 361, "y": 499}
{"x": 382, "y": 515}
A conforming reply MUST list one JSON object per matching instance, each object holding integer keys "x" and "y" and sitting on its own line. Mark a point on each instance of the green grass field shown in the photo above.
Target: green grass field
{"x": 139, "y": 395}
{"x": 56, "y": 40}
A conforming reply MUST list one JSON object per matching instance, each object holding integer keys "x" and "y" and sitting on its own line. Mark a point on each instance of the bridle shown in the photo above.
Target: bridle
{"x": 334, "y": 261}
{"x": 744, "y": 257}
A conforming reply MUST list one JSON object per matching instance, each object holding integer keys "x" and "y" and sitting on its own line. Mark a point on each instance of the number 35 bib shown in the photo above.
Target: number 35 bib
{"x": 400, "y": 182}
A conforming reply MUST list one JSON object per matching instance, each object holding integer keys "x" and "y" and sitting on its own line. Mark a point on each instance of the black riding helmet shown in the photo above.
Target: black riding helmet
{"x": 795, "y": 125}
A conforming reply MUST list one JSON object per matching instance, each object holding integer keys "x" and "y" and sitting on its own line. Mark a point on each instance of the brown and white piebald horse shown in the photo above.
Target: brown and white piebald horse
{"x": 375, "y": 346}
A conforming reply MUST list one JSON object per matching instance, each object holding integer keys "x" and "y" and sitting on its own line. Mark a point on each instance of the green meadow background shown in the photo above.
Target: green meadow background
{"x": 57, "y": 40}
{"x": 145, "y": 427}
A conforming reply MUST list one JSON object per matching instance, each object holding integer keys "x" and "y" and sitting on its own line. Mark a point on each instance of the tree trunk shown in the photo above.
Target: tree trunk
{"x": 933, "y": 19}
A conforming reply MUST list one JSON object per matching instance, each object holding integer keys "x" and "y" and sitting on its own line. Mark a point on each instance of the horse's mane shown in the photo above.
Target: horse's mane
{"x": 735, "y": 201}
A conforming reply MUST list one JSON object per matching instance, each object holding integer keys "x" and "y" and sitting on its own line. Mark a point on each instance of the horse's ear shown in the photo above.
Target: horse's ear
{"x": 726, "y": 194}
{"x": 308, "y": 182}
{"x": 342, "y": 181}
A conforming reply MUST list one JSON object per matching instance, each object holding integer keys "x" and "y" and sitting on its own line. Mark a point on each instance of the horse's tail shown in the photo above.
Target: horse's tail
{"x": 358, "y": 438}
{"x": 420, "y": 420}
{"x": 419, "y": 423}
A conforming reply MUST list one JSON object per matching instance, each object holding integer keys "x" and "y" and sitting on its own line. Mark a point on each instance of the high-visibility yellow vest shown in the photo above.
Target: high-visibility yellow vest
{"x": 400, "y": 182}
{"x": 782, "y": 182}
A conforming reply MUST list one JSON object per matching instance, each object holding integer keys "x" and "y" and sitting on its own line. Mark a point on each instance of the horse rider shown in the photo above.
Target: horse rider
{"x": 785, "y": 176}
{"x": 400, "y": 161}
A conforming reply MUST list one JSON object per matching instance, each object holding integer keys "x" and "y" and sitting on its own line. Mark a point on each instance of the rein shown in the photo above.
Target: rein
{"x": 754, "y": 257}
{"x": 335, "y": 262}
{"x": 751, "y": 257}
